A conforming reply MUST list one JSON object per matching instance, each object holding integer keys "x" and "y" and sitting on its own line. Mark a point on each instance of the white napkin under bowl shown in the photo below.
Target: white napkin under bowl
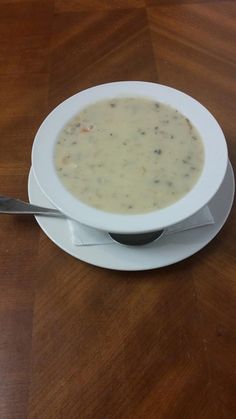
{"x": 82, "y": 235}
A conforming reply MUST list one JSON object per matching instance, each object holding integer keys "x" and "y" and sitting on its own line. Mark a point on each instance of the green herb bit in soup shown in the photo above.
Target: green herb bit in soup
{"x": 129, "y": 155}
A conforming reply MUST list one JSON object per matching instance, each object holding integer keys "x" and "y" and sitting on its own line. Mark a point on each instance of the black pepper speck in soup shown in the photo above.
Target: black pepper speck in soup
{"x": 129, "y": 155}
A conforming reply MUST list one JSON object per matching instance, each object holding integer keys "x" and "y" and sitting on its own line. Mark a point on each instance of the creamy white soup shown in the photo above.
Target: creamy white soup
{"x": 129, "y": 155}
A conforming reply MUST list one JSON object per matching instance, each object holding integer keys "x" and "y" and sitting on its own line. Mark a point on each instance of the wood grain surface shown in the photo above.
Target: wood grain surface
{"x": 81, "y": 342}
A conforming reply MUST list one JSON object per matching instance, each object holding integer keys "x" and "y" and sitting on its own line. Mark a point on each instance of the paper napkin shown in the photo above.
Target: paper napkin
{"x": 82, "y": 235}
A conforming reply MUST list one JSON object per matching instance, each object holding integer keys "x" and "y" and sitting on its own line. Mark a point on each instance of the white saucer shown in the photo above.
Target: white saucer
{"x": 165, "y": 251}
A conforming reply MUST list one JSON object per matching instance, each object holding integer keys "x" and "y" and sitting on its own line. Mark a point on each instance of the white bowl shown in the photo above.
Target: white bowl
{"x": 214, "y": 169}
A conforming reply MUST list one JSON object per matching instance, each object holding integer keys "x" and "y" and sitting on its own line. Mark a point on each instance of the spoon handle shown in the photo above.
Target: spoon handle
{"x": 16, "y": 206}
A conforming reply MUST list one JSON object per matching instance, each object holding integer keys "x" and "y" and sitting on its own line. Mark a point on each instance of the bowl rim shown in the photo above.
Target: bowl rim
{"x": 216, "y": 159}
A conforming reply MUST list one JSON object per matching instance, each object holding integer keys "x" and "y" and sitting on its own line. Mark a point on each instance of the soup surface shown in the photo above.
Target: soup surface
{"x": 129, "y": 155}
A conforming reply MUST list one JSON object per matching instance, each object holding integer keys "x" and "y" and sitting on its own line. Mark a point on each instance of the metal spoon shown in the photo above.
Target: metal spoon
{"x": 16, "y": 206}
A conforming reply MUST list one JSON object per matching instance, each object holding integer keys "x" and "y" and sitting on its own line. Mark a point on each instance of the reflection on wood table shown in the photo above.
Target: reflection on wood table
{"x": 77, "y": 341}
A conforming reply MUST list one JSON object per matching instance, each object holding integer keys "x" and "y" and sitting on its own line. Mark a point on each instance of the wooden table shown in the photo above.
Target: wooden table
{"x": 77, "y": 341}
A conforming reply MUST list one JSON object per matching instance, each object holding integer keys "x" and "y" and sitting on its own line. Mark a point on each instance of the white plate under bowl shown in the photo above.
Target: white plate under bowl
{"x": 165, "y": 251}
{"x": 214, "y": 169}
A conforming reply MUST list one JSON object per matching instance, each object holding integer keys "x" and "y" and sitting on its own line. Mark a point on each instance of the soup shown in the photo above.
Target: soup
{"x": 129, "y": 155}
